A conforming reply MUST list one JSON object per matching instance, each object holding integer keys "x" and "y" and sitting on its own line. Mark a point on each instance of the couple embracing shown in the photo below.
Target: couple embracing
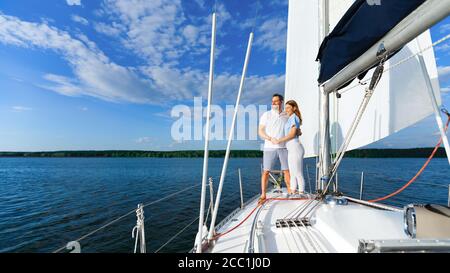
{"x": 280, "y": 130}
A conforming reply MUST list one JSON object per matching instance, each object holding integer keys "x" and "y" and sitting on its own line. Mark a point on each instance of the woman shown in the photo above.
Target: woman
{"x": 294, "y": 147}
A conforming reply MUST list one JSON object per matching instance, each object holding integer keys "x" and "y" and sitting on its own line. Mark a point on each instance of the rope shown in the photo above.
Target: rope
{"x": 375, "y": 79}
{"x": 139, "y": 230}
{"x": 125, "y": 215}
{"x": 447, "y": 37}
{"x": 375, "y": 205}
{"x": 238, "y": 225}
{"x": 420, "y": 171}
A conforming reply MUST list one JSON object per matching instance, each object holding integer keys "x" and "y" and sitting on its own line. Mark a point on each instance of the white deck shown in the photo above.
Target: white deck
{"x": 334, "y": 228}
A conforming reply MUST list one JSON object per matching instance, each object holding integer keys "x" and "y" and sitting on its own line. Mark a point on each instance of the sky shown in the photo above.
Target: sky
{"x": 105, "y": 74}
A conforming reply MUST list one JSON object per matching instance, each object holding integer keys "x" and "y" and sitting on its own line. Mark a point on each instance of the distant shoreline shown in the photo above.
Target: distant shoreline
{"x": 363, "y": 153}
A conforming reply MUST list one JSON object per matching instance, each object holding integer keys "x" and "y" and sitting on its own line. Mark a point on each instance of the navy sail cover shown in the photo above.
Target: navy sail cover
{"x": 363, "y": 25}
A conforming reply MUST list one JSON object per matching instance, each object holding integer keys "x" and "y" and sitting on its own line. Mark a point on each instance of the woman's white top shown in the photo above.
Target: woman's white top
{"x": 292, "y": 121}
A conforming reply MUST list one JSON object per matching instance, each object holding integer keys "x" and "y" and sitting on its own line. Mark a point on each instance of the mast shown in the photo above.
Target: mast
{"x": 324, "y": 128}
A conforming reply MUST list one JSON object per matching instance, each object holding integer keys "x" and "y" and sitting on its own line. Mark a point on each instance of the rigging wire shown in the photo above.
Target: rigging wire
{"x": 445, "y": 38}
{"x": 190, "y": 224}
{"x": 125, "y": 215}
{"x": 176, "y": 235}
{"x": 440, "y": 41}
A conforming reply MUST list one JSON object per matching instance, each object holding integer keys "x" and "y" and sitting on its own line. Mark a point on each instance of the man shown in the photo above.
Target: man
{"x": 271, "y": 126}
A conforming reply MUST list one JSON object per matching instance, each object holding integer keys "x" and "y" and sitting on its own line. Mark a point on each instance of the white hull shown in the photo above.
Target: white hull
{"x": 333, "y": 228}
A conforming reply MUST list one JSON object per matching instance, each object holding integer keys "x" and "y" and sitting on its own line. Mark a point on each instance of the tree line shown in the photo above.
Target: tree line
{"x": 362, "y": 153}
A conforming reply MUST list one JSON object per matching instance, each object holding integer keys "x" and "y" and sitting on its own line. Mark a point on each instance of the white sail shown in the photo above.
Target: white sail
{"x": 337, "y": 9}
{"x": 400, "y": 100}
{"x": 301, "y": 68}
{"x": 303, "y": 42}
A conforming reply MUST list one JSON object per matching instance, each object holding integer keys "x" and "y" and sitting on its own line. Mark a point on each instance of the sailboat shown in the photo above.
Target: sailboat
{"x": 375, "y": 67}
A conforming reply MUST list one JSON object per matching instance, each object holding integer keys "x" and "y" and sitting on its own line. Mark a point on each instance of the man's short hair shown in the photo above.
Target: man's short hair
{"x": 279, "y": 96}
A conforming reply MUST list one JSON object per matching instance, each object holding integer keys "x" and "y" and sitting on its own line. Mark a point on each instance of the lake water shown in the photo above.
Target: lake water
{"x": 47, "y": 202}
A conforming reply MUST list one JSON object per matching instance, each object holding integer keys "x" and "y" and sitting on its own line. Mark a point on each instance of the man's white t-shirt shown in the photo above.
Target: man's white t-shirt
{"x": 274, "y": 123}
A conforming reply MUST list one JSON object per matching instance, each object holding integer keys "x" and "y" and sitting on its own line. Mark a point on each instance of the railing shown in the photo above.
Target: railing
{"x": 139, "y": 231}
{"x": 364, "y": 180}
{"x": 75, "y": 246}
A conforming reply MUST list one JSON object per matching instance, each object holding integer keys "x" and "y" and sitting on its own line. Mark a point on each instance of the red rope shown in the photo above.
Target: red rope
{"x": 418, "y": 174}
{"x": 248, "y": 216}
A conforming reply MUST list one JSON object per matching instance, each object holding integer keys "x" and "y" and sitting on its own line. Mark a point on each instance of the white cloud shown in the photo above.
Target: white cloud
{"x": 62, "y": 85}
{"x": 19, "y": 109}
{"x": 111, "y": 30}
{"x": 150, "y": 27}
{"x": 443, "y": 48}
{"x": 95, "y": 74}
{"x": 272, "y": 35}
{"x": 144, "y": 140}
{"x": 191, "y": 83}
{"x": 73, "y": 2}
{"x": 190, "y": 32}
{"x": 444, "y": 28}
{"x": 200, "y": 3}
{"x": 222, "y": 14}
{"x": 158, "y": 31}
{"x": 79, "y": 19}
{"x": 445, "y": 89}
{"x": 444, "y": 73}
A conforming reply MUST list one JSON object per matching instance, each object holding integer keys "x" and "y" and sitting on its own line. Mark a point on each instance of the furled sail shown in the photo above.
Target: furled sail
{"x": 400, "y": 100}
{"x": 363, "y": 25}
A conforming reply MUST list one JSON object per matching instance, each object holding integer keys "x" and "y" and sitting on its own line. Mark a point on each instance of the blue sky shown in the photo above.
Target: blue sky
{"x": 82, "y": 75}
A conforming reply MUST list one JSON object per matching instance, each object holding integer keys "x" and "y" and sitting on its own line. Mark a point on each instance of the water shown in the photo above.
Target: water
{"x": 47, "y": 202}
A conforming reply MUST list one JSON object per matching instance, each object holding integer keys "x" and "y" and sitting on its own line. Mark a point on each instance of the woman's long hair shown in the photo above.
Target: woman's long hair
{"x": 296, "y": 109}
